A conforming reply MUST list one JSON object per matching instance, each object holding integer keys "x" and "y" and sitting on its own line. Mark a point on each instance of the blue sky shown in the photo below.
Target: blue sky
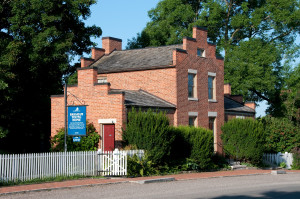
{"x": 124, "y": 19}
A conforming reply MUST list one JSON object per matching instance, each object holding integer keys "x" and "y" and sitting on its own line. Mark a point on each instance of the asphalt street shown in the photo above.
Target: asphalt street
{"x": 245, "y": 187}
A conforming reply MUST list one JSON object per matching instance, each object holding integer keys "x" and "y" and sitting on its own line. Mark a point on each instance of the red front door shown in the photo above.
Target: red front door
{"x": 109, "y": 137}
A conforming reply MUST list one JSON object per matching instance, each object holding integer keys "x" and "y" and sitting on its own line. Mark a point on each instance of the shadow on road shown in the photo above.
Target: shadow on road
{"x": 270, "y": 194}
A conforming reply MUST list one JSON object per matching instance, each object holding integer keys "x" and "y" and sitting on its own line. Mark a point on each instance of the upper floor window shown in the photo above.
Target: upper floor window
{"x": 192, "y": 84}
{"x": 200, "y": 52}
{"x": 211, "y": 86}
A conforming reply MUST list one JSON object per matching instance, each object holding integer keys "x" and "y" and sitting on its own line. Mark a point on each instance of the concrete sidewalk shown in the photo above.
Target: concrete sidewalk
{"x": 103, "y": 181}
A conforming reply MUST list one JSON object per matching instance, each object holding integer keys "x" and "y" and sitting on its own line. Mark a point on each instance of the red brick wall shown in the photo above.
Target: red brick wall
{"x": 159, "y": 82}
{"x": 203, "y": 65}
{"x": 100, "y": 104}
{"x": 57, "y": 114}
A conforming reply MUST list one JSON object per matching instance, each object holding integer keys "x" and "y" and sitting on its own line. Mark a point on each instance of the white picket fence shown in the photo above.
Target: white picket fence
{"x": 112, "y": 163}
{"x": 277, "y": 158}
{"x": 26, "y": 167}
{"x": 138, "y": 153}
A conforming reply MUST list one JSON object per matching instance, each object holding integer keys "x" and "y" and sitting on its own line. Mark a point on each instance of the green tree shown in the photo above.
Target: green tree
{"x": 38, "y": 40}
{"x": 290, "y": 95}
{"x": 282, "y": 135}
{"x": 255, "y": 37}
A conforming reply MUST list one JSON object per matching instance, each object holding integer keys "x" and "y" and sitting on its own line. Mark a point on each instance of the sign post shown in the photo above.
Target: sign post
{"x": 77, "y": 121}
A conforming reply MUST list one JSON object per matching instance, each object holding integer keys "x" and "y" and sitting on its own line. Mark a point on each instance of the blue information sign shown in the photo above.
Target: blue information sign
{"x": 77, "y": 120}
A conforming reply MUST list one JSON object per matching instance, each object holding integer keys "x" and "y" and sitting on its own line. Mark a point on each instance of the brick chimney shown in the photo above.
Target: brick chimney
{"x": 227, "y": 89}
{"x": 109, "y": 44}
{"x": 250, "y": 105}
{"x": 200, "y": 33}
{"x": 97, "y": 53}
{"x": 86, "y": 61}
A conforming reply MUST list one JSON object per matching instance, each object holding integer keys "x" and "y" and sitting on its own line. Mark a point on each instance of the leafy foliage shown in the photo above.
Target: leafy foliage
{"x": 257, "y": 38}
{"x": 149, "y": 131}
{"x": 281, "y": 135}
{"x": 168, "y": 146}
{"x": 195, "y": 144}
{"x": 140, "y": 167}
{"x": 243, "y": 139}
{"x": 290, "y": 96}
{"x": 2, "y": 132}
{"x": 87, "y": 143}
{"x": 296, "y": 158}
{"x": 38, "y": 39}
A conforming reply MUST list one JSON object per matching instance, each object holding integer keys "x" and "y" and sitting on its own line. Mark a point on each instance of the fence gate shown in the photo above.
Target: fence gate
{"x": 112, "y": 163}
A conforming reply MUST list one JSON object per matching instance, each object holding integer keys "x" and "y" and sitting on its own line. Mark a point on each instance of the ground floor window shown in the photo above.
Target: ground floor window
{"x": 192, "y": 121}
{"x": 211, "y": 123}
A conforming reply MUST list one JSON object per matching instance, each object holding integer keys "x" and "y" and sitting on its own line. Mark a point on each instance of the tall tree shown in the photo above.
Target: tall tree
{"x": 38, "y": 40}
{"x": 255, "y": 35}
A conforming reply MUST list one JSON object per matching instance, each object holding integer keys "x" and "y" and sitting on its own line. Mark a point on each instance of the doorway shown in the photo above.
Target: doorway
{"x": 108, "y": 137}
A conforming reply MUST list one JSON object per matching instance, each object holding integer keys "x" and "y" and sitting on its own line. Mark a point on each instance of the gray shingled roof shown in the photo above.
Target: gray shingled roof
{"x": 136, "y": 59}
{"x": 232, "y": 105}
{"x": 142, "y": 98}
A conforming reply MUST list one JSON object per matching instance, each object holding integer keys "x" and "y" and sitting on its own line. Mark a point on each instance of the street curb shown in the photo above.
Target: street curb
{"x": 278, "y": 172}
{"x": 58, "y": 188}
{"x": 153, "y": 180}
{"x": 254, "y": 174}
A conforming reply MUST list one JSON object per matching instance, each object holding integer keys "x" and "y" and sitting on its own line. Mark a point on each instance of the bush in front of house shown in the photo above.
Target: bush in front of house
{"x": 194, "y": 144}
{"x": 149, "y": 131}
{"x": 282, "y": 135}
{"x": 243, "y": 140}
{"x": 87, "y": 143}
{"x": 168, "y": 148}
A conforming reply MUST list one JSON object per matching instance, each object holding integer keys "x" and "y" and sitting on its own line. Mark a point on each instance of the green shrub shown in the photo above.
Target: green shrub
{"x": 87, "y": 143}
{"x": 243, "y": 139}
{"x": 149, "y": 131}
{"x": 281, "y": 135}
{"x": 193, "y": 143}
{"x": 137, "y": 167}
{"x": 296, "y": 158}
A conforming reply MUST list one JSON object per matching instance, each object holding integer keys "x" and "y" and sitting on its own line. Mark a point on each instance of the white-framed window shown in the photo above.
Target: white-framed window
{"x": 240, "y": 116}
{"x": 200, "y": 52}
{"x": 192, "y": 84}
{"x": 212, "y": 125}
{"x": 102, "y": 79}
{"x": 193, "y": 119}
{"x": 211, "y": 86}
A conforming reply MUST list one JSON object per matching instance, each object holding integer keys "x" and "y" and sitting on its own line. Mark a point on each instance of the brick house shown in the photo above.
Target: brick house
{"x": 185, "y": 80}
{"x": 235, "y": 107}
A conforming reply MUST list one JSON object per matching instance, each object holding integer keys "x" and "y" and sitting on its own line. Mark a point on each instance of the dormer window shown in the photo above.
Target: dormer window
{"x": 102, "y": 79}
{"x": 200, "y": 52}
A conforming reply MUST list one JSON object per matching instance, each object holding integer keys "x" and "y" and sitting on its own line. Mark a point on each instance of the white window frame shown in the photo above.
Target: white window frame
{"x": 202, "y": 52}
{"x": 212, "y": 75}
{"x": 194, "y": 115}
{"x": 194, "y": 73}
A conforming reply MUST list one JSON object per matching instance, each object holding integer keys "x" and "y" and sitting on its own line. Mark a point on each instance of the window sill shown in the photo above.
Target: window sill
{"x": 192, "y": 99}
{"x": 212, "y": 100}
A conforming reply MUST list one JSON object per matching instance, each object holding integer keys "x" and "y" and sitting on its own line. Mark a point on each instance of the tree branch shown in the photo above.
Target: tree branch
{"x": 282, "y": 35}
{"x": 231, "y": 38}
{"x": 259, "y": 94}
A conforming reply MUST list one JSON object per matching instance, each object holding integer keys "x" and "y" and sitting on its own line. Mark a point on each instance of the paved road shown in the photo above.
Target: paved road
{"x": 245, "y": 187}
